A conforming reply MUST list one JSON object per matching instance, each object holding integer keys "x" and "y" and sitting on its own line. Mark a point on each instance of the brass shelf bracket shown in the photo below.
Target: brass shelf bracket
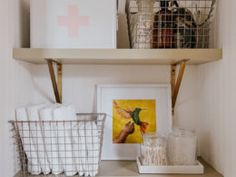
{"x": 56, "y": 80}
{"x": 175, "y": 84}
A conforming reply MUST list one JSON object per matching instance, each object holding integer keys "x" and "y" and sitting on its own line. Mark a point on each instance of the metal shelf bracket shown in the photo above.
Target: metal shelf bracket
{"x": 175, "y": 84}
{"x": 56, "y": 80}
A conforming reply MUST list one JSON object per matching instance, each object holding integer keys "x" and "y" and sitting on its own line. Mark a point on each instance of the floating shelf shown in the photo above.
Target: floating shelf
{"x": 129, "y": 168}
{"x": 117, "y": 56}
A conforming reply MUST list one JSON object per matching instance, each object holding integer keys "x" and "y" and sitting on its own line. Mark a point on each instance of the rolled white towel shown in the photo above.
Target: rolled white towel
{"x": 96, "y": 148}
{"x": 28, "y": 145}
{"x": 46, "y": 114}
{"x": 92, "y": 147}
{"x": 37, "y": 138}
{"x": 64, "y": 140}
{"x": 88, "y": 148}
{"x": 71, "y": 115}
{"x": 82, "y": 169}
{"x": 78, "y": 142}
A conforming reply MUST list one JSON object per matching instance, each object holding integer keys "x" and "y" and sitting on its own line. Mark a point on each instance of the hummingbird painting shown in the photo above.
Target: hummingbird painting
{"x": 133, "y": 114}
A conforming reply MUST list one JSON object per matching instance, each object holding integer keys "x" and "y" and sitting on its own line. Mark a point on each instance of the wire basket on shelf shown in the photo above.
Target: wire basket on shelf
{"x": 171, "y": 23}
{"x": 67, "y": 148}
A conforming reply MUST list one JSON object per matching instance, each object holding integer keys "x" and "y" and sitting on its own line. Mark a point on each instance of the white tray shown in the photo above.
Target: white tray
{"x": 182, "y": 169}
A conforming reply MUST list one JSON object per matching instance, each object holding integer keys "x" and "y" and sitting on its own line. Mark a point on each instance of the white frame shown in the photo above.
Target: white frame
{"x": 106, "y": 93}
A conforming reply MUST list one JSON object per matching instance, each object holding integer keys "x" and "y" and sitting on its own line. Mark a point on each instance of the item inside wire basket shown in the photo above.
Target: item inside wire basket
{"x": 171, "y": 23}
{"x": 72, "y": 147}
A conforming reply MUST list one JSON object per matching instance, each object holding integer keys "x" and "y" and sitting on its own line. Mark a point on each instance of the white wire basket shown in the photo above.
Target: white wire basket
{"x": 171, "y": 23}
{"x": 67, "y": 148}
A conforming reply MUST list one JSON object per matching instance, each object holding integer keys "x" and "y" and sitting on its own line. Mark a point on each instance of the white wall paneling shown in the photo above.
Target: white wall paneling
{"x": 205, "y": 103}
{"x": 217, "y": 97}
{"x": 15, "y": 77}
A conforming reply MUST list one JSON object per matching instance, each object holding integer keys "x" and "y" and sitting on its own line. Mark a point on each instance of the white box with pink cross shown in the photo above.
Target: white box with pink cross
{"x": 73, "y": 23}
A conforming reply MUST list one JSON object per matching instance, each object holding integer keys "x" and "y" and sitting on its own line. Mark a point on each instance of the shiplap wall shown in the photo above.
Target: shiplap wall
{"x": 206, "y": 101}
{"x": 16, "y": 88}
{"x": 217, "y": 94}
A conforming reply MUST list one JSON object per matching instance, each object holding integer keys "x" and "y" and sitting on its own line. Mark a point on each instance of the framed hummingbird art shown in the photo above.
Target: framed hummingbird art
{"x": 131, "y": 118}
{"x": 132, "y": 110}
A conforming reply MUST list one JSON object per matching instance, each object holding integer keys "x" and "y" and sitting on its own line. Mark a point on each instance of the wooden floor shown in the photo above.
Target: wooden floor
{"x": 129, "y": 169}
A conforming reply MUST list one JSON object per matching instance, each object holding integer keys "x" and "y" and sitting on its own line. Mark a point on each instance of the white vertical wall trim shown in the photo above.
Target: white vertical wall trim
{"x": 217, "y": 97}
{"x": 16, "y": 82}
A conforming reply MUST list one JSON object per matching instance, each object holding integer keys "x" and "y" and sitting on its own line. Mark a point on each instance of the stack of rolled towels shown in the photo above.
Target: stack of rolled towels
{"x": 55, "y": 141}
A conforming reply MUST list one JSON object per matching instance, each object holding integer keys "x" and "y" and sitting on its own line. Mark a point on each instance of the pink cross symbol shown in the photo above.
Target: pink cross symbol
{"x": 73, "y": 21}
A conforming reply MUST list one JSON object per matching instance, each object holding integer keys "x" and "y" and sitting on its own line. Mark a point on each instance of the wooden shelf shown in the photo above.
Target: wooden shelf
{"x": 129, "y": 168}
{"x": 117, "y": 56}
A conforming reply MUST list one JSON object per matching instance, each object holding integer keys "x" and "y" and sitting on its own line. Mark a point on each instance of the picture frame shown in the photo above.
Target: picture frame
{"x": 106, "y": 94}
